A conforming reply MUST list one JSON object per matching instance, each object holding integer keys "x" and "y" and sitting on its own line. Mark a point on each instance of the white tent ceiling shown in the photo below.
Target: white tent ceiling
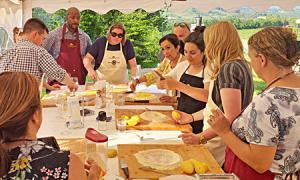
{"x": 103, "y": 6}
{"x": 16, "y": 12}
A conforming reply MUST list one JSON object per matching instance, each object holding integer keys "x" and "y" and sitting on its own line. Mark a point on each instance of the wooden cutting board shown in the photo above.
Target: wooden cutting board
{"x": 77, "y": 146}
{"x": 198, "y": 152}
{"x": 146, "y": 125}
{"x": 154, "y": 101}
{"x": 49, "y": 101}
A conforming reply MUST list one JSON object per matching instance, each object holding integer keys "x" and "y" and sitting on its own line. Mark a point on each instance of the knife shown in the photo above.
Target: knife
{"x": 159, "y": 75}
{"x": 138, "y": 101}
{"x": 124, "y": 167}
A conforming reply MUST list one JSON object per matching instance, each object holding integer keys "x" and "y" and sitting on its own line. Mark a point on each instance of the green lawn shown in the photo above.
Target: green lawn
{"x": 245, "y": 34}
{"x": 258, "y": 84}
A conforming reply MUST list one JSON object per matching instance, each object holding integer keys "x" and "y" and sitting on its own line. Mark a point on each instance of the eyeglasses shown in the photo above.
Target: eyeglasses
{"x": 182, "y": 25}
{"x": 113, "y": 34}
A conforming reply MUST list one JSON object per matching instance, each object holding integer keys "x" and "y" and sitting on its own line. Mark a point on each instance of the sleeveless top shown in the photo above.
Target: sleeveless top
{"x": 36, "y": 160}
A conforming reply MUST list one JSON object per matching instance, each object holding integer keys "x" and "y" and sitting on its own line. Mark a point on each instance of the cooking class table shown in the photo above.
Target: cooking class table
{"x": 53, "y": 125}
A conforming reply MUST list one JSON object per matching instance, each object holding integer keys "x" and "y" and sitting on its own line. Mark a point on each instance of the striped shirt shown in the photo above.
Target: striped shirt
{"x": 234, "y": 74}
{"x": 52, "y": 42}
{"x": 25, "y": 56}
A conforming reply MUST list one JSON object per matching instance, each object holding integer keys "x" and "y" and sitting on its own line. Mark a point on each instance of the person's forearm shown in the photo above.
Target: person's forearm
{"x": 67, "y": 80}
{"x": 209, "y": 134}
{"x": 199, "y": 94}
{"x": 46, "y": 85}
{"x": 142, "y": 79}
{"x": 88, "y": 64}
{"x": 133, "y": 72}
{"x": 198, "y": 115}
{"x": 250, "y": 154}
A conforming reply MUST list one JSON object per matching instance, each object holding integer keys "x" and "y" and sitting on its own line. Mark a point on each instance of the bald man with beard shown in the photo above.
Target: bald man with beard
{"x": 68, "y": 45}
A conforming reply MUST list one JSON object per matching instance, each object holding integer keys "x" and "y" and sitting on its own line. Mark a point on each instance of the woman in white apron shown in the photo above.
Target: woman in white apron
{"x": 232, "y": 88}
{"x": 111, "y": 55}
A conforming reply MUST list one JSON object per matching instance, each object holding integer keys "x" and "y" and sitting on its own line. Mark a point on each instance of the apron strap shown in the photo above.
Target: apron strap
{"x": 64, "y": 31}
{"x": 106, "y": 45}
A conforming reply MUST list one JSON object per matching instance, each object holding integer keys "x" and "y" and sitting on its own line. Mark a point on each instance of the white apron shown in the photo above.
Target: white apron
{"x": 216, "y": 145}
{"x": 114, "y": 66}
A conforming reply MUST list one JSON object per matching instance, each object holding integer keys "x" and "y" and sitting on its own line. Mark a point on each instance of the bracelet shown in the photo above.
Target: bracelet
{"x": 193, "y": 118}
{"x": 202, "y": 139}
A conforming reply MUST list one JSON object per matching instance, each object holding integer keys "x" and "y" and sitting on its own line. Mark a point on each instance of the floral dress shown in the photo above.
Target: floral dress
{"x": 36, "y": 160}
{"x": 272, "y": 119}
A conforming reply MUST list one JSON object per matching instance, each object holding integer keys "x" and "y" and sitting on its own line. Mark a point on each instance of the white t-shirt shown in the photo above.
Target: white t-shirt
{"x": 273, "y": 119}
{"x": 181, "y": 67}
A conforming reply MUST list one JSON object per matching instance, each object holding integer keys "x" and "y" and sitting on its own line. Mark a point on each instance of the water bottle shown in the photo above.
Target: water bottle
{"x": 74, "y": 119}
{"x": 99, "y": 101}
{"x": 110, "y": 109}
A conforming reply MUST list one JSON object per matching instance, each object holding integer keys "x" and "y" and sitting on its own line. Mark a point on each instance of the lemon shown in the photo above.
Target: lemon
{"x": 176, "y": 115}
{"x": 200, "y": 167}
{"x": 136, "y": 118}
{"x": 124, "y": 117}
{"x": 132, "y": 122}
{"x": 187, "y": 167}
{"x": 111, "y": 153}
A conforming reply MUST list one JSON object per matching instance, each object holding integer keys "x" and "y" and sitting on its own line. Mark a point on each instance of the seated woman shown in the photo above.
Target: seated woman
{"x": 170, "y": 46}
{"x": 22, "y": 156}
{"x": 191, "y": 78}
{"x": 263, "y": 141}
{"x": 111, "y": 55}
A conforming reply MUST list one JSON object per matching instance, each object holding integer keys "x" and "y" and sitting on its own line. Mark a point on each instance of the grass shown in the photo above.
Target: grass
{"x": 245, "y": 34}
{"x": 259, "y": 85}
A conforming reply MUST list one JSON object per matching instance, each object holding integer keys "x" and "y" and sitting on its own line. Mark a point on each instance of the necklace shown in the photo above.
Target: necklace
{"x": 275, "y": 80}
{"x": 267, "y": 87}
{"x": 173, "y": 64}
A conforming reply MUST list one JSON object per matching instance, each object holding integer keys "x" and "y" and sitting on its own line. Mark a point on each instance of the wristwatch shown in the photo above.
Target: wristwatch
{"x": 202, "y": 139}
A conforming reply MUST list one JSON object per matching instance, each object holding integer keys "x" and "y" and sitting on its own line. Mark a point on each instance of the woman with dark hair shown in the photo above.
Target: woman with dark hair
{"x": 191, "y": 78}
{"x": 111, "y": 55}
{"x": 22, "y": 156}
{"x": 170, "y": 46}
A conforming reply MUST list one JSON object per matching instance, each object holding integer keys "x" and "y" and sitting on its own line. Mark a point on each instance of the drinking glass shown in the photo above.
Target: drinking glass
{"x": 60, "y": 102}
{"x": 121, "y": 125}
{"x": 120, "y": 99}
{"x": 75, "y": 80}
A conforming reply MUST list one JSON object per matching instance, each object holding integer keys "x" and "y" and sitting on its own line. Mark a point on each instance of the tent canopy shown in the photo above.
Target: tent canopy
{"x": 176, "y": 6}
{"x": 16, "y": 12}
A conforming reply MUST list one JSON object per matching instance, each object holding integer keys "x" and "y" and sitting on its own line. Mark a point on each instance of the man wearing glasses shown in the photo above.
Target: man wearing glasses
{"x": 111, "y": 54}
{"x": 69, "y": 44}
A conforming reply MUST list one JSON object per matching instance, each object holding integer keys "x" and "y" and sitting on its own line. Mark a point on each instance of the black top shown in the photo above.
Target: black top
{"x": 98, "y": 48}
{"x": 188, "y": 104}
{"x": 36, "y": 160}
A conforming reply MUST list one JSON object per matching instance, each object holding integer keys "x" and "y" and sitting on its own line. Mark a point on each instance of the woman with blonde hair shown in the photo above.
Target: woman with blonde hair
{"x": 231, "y": 88}
{"x": 263, "y": 141}
{"x": 111, "y": 55}
{"x": 22, "y": 156}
